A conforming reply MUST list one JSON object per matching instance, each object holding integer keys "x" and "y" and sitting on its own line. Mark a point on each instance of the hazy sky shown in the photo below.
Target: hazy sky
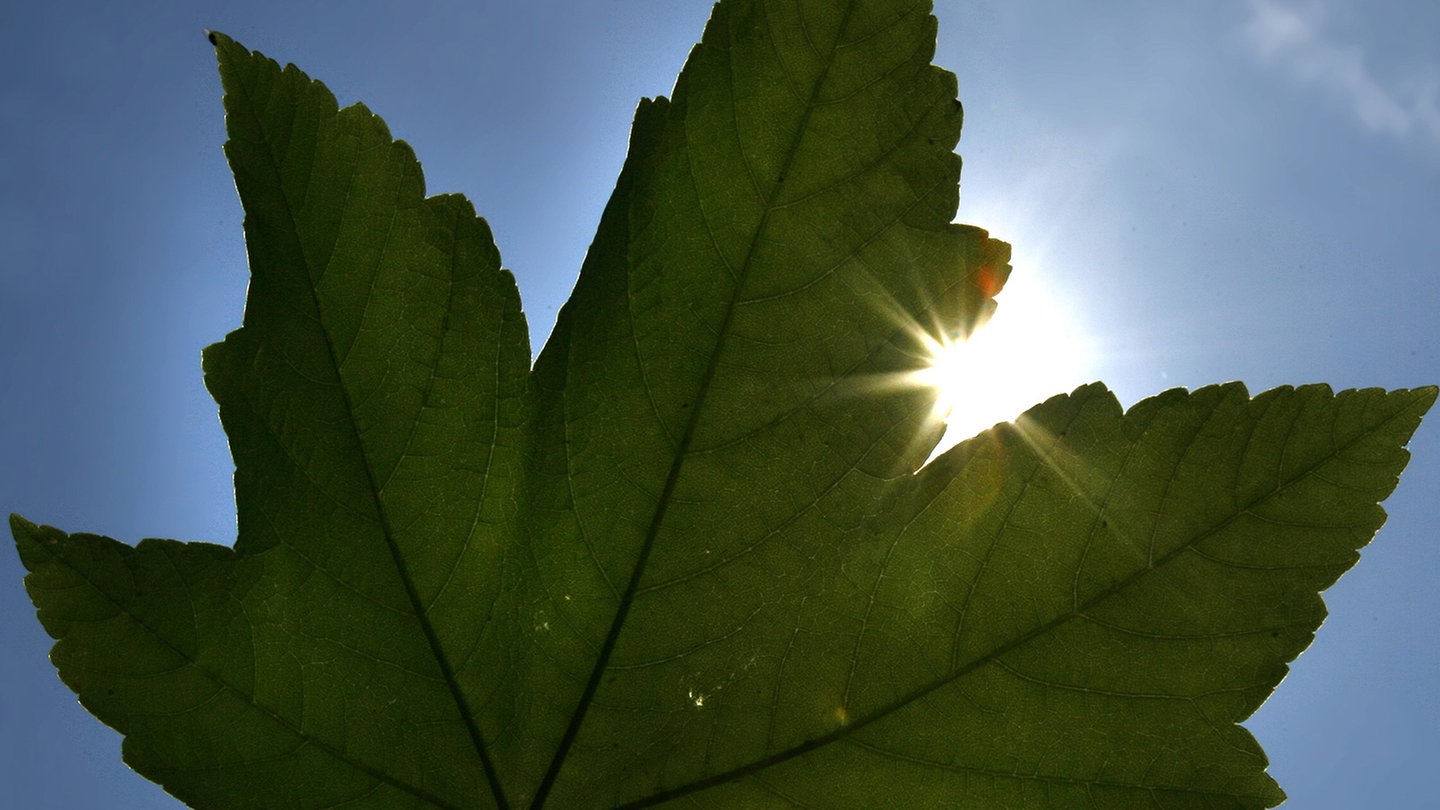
{"x": 1206, "y": 191}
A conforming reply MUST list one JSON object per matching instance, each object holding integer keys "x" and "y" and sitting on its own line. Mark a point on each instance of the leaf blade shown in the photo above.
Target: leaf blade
{"x": 692, "y": 333}
{"x": 354, "y": 271}
{"x": 1099, "y": 708}
{"x": 414, "y": 365}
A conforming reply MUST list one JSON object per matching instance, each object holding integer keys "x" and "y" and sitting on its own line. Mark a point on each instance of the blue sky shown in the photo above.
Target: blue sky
{"x": 1241, "y": 189}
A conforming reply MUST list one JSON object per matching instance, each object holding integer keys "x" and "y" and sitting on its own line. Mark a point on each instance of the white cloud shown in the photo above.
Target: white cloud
{"x": 1294, "y": 38}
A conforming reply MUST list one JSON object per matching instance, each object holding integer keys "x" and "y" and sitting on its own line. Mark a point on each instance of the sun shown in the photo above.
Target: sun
{"x": 1031, "y": 349}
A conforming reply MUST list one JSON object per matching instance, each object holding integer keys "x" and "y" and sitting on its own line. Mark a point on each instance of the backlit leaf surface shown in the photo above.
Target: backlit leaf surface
{"x": 687, "y": 556}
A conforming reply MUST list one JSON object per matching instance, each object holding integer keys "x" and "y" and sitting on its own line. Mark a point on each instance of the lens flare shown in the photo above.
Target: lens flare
{"x": 1030, "y": 350}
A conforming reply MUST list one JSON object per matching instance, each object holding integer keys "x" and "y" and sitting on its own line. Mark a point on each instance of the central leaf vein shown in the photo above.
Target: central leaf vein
{"x": 682, "y": 449}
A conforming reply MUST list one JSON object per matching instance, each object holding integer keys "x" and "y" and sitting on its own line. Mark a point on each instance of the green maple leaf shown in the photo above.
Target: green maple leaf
{"x": 687, "y": 555}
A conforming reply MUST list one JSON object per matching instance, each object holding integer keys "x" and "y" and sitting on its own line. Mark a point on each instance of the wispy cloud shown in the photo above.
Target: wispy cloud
{"x": 1294, "y": 38}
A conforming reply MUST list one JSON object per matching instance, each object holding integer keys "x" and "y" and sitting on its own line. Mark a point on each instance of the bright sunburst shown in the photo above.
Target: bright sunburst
{"x": 1031, "y": 349}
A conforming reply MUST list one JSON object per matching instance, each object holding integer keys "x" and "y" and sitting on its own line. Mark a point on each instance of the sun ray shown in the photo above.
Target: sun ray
{"x": 1030, "y": 350}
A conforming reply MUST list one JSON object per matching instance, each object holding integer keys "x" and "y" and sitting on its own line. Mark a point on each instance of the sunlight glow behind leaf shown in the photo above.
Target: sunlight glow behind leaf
{"x": 1031, "y": 349}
